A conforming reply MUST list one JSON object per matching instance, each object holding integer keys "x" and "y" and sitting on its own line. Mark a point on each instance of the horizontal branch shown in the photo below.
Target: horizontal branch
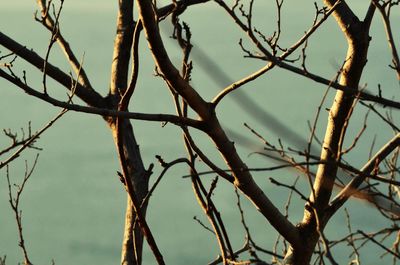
{"x": 351, "y": 90}
{"x": 336, "y": 7}
{"x": 181, "y": 121}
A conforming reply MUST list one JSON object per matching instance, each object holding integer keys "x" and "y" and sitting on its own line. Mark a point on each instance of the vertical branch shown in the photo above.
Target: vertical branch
{"x": 135, "y": 203}
{"x": 315, "y": 214}
{"x": 14, "y": 202}
{"x": 122, "y": 47}
{"x": 132, "y": 184}
{"x": 197, "y": 185}
{"x": 134, "y": 173}
{"x": 358, "y": 41}
{"x": 206, "y": 204}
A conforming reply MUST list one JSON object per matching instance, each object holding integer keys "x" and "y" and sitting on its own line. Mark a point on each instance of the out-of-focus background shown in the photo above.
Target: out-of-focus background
{"x": 73, "y": 206}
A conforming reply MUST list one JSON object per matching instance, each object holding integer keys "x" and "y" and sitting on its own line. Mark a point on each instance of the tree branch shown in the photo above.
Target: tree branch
{"x": 89, "y": 96}
{"x": 389, "y": 35}
{"x": 373, "y": 163}
{"x": 48, "y": 22}
{"x": 105, "y": 112}
{"x": 32, "y": 139}
{"x": 243, "y": 179}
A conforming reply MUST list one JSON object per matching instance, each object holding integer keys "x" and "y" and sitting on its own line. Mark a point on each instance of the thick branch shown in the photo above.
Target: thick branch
{"x": 339, "y": 114}
{"x": 315, "y": 214}
{"x": 122, "y": 47}
{"x": 164, "y": 64}
{"x": 243, "y": 179}
{"x": 89, "y": 96}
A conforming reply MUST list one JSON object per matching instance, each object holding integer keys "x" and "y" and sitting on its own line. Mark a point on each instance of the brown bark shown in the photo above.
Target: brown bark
{"x": 356, "y": 33}
{"x": 132, "y": 243}
{"x": 242, "y": 177}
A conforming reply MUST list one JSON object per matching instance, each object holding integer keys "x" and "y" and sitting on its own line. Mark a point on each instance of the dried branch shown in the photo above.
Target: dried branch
{"x": 124, "y": 40}
{"x": 351, "y": 239}
{"x": 209, "y": 210}
{"x": 166, "y": 167}
{"x": 290, "y": 187}
{"x": 135, "y": 203}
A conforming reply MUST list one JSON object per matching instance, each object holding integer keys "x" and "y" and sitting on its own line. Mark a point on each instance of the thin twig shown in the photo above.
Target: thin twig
{"x": 31, "y": 140}
{"x": 14, "y": 203}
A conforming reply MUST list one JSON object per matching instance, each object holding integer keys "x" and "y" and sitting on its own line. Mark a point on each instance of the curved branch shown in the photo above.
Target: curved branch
{"x": 124, "y": 102}
{"x": 164, "y": 64}
{"x": 179, "y": 6}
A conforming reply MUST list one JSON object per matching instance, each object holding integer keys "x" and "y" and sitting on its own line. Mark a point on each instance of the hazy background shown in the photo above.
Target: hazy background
{"x": 73, "y": 206}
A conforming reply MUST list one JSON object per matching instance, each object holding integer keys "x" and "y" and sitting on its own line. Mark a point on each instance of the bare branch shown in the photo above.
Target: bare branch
{"x": 14, "y": 203}
{"x": 389, "y": 34}
{"x": 350, "y": 188}
{"x": 53, "y": 26}
{"x": 89, "y": 96}
{"x": 32, "y": 139}
{"x": 243, "y": 180}
{"x": 103, "y": 111}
